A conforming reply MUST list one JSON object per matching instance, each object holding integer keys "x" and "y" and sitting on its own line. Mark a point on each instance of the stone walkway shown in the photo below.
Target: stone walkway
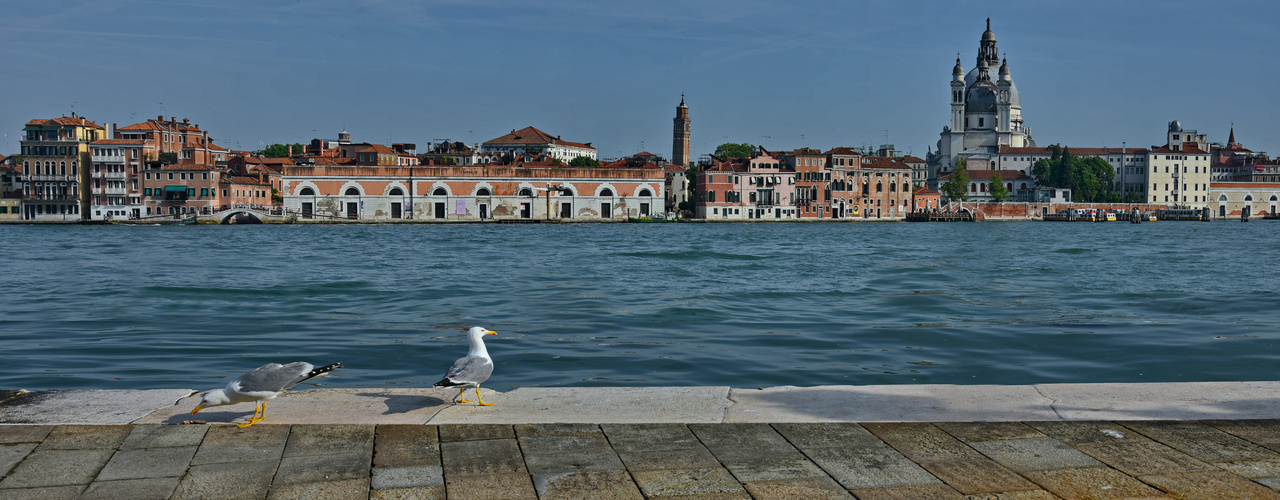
{"x": 1004, "y": 460}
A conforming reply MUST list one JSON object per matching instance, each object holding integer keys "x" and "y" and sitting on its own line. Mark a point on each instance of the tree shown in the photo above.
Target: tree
{"x": 1091, "y": 179}
{"x": 282, "y": 150}
{"x": 583, "y": 161}
{"x": 731, "y": 150}
{"x": 998, "y": 191}
{"x": 957, "y": 185}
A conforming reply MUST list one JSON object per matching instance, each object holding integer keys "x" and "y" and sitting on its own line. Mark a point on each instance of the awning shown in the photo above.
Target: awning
{"x": 175, "y": 189}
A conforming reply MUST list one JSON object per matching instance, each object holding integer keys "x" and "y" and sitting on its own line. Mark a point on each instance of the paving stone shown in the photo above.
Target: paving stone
{"x": 495, "y": 486}
{"x": 11, "y": 454}
{"x": 545, "y": 430}
{"x": 788, "y": 489}
{"x": 227, "y": 481}
{"x": 926, "y": 492}
{"x": 978, "y": 477}
{"x": 490, "y": 456}
{"x": 1092, "y": 483}
{"x": 50, "y": 493}
{"x": 307, "y": 469}
{"x": 78, "y": 406}
{"x": 1016, "y": 495}
{"x": 228, "y": 443}
{"x": 827, "y": 435}
{"x": 698, "y": 458}
{"x": 1270, "y": 482}
{"x": 1210, "y": 485}
{"x": 345, "y": 489}
{"x": 923, "y": 442}
{"x": 85, "y": 437}
{"x": 1078, "y": 433}
{"x": 1265, "y": 433}
{"x": 1253, "y": 470}
{"x": 315, "y": 439}
{"x": 164, "y": 436}
{"x": 574, "y": 451}
{"x": 1137, "y": 458}
{"x": 56, "y": 468}
{"x": 422, "y": 493}
{"x": 405, "y": 446}
{"x": 876, "y": 466}
{"x": 10, "y": 434}
{"x": 970, "y": 432}
{"x": 1203, "y": 442}
{"x": 587, "y": 484}
{"x": 147, "y": 463}
{"x": 407, "y": 477}
{"x": 158, "y": 488}
{"x": 1043, "y": 453}
{"x": 755, "y": 452}
{"x": 677, "y": 482}
{"x": 475, "y": 432}
{"x": 626, "y": 438}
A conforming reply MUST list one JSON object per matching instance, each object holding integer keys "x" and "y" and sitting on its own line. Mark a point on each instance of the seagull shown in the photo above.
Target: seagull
{"x": 263, "y": 383}
{"x": 472, "y": 369}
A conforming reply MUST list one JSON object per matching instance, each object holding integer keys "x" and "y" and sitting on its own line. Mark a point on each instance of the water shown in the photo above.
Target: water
{"x": 744, "y": 305}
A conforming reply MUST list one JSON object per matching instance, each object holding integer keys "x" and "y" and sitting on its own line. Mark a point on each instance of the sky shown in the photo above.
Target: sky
{"x": 779, "y": 74}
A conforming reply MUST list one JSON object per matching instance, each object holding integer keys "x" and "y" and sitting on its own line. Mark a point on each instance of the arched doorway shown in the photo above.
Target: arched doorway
{"x": 526, "y": 203}
{"x": 438, "y": 206}
{"x": 606, "y": 206}
{"x": 353, "y": 202}
{"x": 483, "y": 205}
{"x": 307, "y": 196}
{"x": 397, "y": 199}
{"x": 646, "y": 200}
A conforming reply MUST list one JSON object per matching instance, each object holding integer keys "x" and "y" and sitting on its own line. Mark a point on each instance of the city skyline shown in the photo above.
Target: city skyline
{"x": 783, "y": 77}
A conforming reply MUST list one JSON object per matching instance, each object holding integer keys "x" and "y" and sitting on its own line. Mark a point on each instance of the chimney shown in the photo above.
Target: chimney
{"x": 291, "y": 150}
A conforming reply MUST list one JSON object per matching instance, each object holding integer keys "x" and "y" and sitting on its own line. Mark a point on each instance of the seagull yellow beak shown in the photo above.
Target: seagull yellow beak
{"x": 490, "y": 332}
{"x": 198, "y": 408}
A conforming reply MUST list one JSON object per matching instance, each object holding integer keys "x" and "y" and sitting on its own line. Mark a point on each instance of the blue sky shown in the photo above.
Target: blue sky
{"x": 781, "y": 74}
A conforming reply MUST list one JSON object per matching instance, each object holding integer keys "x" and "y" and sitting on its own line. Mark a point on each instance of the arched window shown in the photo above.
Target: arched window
{"x": 396, "y": 192}
{"x": 906, "y": 187}
{"x": 352, "y": 192}
{"x": 982, "y": 187}
{"x": 1248, "y": 197}
{"x": 306, "y": 191}
{"x": 973, "y": 188}
{"x": 866, "y": 188}
{"x": 606, "y": 192}
{"x": 879, "y": 187}
{"x": 482, "y": 192}
{"x": 645, "y": 192}
{"x": 1273, "y": 197}
{"x": 1024, "y": 185}
{"x": 1009, "y": 187}
{"x": 893, "y": 188}
{"x": 438, "y": 192}
{"x": 525, "y": 192}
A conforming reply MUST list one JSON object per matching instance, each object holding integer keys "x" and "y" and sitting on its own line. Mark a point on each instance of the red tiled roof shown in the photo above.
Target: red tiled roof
{"x": 531, "y": 135}
{"x": 76, "y": 121}
{"x": 912, "y": 159}
{"x": 883, "y": 162}
{"x": 377, "y": 148}
{"x": 844, "y": 151}
{"x": 240, "y": 179}
{"x": 1247, "y": 185}
{"x": 187, "y": 166}
{"x": 141, "y": 126}
{"x": 924, "y": 190}
{"x": 118, "y": 141}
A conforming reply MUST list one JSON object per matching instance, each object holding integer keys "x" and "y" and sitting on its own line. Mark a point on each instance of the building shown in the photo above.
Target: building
{"x": 1178, "y": 172}
{"x": 1228, "y": 200}
{"x": 1236, "y": 163}
{"x": 530, "y": 140}
{"x": 1018, "y": 186}
{"x": 758, "y": 188}
{"x": 885, "y": 184}
{"x": 925, "y": 200}
{"x": 680, "y": 135}
{"x": 475, "y": 193}
{"x": 985, "y": 114}
{"x": 813, "y": 181}
{"x": 115, "y": 190}
{"x": 55, "y": 167}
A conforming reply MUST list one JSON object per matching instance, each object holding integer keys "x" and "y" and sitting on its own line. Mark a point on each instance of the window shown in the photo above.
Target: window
{"x": 170, "y": 175}
{"x": 438, "y": 192}
{"x": 352, "y": 192}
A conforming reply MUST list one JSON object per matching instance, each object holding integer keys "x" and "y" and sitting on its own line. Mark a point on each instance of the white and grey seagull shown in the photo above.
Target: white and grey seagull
{"x": 263, "y": 383}
{"x": 472, "y": 369}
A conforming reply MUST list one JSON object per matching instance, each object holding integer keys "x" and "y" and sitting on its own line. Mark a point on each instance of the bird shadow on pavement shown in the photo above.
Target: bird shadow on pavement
{"x": 212, "y": 417}
{"x": 404, "y": 403}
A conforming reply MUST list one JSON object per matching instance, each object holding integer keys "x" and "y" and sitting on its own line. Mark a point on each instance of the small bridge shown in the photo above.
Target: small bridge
{"x": 226, "y": 216}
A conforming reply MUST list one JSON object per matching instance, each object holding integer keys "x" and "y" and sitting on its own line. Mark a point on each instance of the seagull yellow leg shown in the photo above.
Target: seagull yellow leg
{"x": 482, "y": 403}
{"x": 462, "y": 394}
{"x": 262, "y": 407}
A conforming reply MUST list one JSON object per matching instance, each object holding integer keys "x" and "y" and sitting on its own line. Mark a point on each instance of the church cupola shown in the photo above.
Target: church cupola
{"x": 988, "y": 54}
{"x": 1004, "y": 71}
{"x": 957, "y": 73}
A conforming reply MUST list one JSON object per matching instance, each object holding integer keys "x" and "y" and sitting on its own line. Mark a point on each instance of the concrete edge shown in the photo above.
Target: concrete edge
{"x": 694, "y": 404}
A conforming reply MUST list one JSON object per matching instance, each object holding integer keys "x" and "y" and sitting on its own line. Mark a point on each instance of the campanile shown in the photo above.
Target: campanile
{"x": 680, "y": 135}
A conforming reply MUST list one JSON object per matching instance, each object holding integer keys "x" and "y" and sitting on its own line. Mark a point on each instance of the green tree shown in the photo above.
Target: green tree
{"x": 1091, "y": 180}
{"x": 282, "y": 150}
{"x": 731, "y": 150}
{"x": 583, "y": 161}
{"x": 998, "y": 190}
{"x": 956, "y": 187}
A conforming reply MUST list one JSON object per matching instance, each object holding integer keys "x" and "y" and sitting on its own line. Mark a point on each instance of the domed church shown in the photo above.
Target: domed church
{"x": 985, "y": 114}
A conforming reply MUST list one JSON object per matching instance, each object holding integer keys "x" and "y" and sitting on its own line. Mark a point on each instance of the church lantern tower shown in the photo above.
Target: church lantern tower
{"x": 680, "y": 135}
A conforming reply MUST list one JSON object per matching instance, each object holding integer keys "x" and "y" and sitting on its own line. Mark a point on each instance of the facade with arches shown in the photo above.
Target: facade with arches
{"x": 54, "y": 170}
{"x": 1228, "y": 200}
{"x": 454, "y": 193}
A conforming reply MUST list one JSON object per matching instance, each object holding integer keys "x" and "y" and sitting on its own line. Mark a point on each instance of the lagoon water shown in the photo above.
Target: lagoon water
{"x": 744, "y": 305}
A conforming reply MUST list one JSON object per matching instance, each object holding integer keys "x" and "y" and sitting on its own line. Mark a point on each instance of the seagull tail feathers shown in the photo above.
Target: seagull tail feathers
{"x": 447, "y": 383}
{"x": 321, "y": 371}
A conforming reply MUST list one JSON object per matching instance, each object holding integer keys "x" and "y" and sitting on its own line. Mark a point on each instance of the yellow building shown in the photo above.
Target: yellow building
{"x": 54, "y": 174}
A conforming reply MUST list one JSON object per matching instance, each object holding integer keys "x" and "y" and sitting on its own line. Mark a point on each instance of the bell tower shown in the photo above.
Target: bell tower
{"x": 680, "y": 135}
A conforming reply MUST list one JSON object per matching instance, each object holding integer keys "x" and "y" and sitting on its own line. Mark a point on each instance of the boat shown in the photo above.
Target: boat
{"x": 1181, "y": 214}
{"x": 649, "y": 219}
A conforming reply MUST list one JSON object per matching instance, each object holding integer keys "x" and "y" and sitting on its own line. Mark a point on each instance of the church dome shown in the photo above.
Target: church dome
{"x": 980, "y": 98}
{"x": 987, "y": 36}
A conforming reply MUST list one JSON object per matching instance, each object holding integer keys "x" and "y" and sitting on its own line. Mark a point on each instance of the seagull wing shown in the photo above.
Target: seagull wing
{"x": 468, "y": 370}
{"x": 272, "y": 377}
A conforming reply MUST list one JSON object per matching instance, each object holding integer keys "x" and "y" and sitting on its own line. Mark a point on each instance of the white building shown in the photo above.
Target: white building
{"x": 533, "y": 141}
{"x": 985, "y": 114}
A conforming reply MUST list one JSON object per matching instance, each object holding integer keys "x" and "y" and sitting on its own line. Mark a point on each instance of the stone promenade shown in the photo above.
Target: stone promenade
{"x": 1006, "y": 460}
{"x": 1202, "y": 440}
